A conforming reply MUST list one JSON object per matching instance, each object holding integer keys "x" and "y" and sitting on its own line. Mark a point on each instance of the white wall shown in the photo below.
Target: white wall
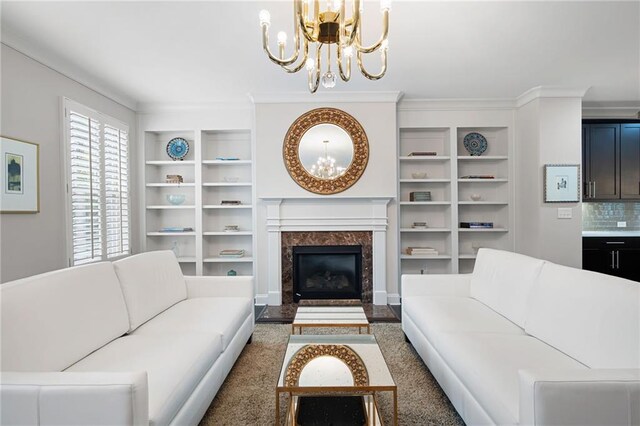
{"x": 549, "y": 132}
{"x": 31, "y": 93}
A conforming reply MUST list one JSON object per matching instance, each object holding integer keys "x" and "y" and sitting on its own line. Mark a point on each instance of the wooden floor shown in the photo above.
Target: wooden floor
{"x": 285, "y": 313}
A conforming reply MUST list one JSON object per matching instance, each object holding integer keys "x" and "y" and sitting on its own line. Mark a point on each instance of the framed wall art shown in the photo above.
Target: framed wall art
{"x": 561, "y": 183}
{"x": 20, "y": 191}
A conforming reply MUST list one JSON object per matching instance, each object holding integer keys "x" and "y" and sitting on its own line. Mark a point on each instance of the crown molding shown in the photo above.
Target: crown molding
{"x": 455, "y": 104}
{"x": 163, "y": 107}
{"x": 550, "y": 92}
{"x": 65, "y": 68}
{"x": 325, "y": 97}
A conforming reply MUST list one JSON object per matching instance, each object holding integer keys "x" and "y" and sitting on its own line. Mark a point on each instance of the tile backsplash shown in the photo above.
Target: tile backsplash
{"x": 605, "y": 216}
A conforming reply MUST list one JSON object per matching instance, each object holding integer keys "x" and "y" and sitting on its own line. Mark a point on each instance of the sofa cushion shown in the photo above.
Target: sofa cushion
{"x": 488, "y": 366}
{"x": 594, "y": 318}
{"x": 443, "y": 314}
{"x": 52, "y": 320}
{"x": 222, "y": 315}
{"x": 175, "y": 364}
{"x": 151, "y": 282}
{"x": 502, "y": 280}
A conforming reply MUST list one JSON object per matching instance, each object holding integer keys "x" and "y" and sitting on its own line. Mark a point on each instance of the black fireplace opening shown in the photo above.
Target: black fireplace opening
{"x": 327, "y": 272}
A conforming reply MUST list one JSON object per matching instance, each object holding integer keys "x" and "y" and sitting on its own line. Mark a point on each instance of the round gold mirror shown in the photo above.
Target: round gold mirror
{"x": 326, "y": 151}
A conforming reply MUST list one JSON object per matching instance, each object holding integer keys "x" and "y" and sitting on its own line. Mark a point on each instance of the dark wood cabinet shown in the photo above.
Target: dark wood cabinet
{"x": 613, "y": 256}
{"x": 610, "y": 160}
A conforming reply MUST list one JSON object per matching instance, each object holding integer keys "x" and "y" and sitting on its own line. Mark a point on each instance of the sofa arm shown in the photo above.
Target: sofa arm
{"x": 70, "y": 398}
{"x": 587, "y": 397}
{"x": 219, "y": 286}
{"x": 436, "y": 285}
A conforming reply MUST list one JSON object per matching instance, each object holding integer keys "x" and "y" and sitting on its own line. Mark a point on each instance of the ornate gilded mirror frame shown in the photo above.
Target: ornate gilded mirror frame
{"x": 292, "y": 156}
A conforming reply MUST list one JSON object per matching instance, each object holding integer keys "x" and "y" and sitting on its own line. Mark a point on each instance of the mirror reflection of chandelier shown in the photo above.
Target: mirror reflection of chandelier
{"x": 322, "y": 29}
{"x": 326, "y": 167}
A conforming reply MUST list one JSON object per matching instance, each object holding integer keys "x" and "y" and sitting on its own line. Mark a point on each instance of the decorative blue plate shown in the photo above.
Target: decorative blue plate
{"x": 475, "y": 143}
{"x": 178, "y": 148}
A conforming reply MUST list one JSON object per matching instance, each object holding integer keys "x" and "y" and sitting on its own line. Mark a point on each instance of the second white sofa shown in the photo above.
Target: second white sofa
{"x": 522, "y": 341}
{"x": 133, "y": 342}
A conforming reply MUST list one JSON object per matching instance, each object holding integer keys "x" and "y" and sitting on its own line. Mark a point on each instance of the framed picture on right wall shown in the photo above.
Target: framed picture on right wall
{"x": 561, "y": 183}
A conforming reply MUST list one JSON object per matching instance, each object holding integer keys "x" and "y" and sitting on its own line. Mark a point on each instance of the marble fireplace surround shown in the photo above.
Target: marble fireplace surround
{"x": 326, "y": 238}
{"x": 327, "y": 214}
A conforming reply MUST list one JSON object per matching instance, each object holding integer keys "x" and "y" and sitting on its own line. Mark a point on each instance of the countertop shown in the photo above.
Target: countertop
{"x": 629, "y": 233}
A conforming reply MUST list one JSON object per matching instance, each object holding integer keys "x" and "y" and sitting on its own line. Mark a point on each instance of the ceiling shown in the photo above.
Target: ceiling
{"x": 210, "y": 51}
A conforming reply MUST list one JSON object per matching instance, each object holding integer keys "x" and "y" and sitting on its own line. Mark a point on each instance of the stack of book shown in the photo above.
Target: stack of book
{"x": 176, "y": 229}
{"x": 420, "y": 196}
{"x": 421, "y": 251}
{"x": 419, "y": 225}
{"x": 476, "y": 225}
{"x": 231, "y": 253}
{"x": 422, "y": 153}
{"x": 174, "y": 179}
{"x": 231, "y": 202}
{"x": 478, "y": 177}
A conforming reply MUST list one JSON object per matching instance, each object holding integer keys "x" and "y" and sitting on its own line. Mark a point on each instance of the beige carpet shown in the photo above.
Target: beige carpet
{"x": 247, "y": 396}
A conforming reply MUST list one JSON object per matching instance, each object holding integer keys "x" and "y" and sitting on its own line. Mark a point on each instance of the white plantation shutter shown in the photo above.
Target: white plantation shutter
{"x": 97, "y": 186}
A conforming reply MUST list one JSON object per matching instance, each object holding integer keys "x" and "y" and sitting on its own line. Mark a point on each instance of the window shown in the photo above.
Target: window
{"x": 96, "y": 153}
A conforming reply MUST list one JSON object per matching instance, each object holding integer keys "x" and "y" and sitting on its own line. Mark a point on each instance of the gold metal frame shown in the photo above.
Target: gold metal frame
{"x": 310, "y": 352}
{"x": 37, "y": 210}
{"x": 292, "y": 144}
{"x": 359, "y": 326}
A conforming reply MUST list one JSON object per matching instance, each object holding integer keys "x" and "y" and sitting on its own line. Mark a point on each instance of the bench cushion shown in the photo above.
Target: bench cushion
{"x": 151, "y": 282}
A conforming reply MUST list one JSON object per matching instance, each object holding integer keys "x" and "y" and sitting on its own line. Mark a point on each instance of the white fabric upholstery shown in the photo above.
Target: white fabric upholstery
{"x": 151, "y": 282}
{"x": 220, "y": 286}
{"x": 219, "y": 315}
{"x": 592, "y": 317}
{"x": 50, "y": 321}
{"x": 488, "y": 366}
{"x": 436, "y": 285}
{"x": 175, "y": 364}
{"x": 442, "y": 314}
{"x": 612, "y": 395}
{"x": 64, "y": 398}
{"x": 502, "y": 280}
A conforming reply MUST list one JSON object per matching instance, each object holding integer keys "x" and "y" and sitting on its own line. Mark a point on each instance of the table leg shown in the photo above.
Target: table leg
{"x": 277, "y": 407}
{"x": 395, "y": 407}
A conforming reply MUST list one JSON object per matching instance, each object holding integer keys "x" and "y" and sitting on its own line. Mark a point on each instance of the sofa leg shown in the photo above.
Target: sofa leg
{"x": 250, "y": 339}
{"x": 406, "y": 339}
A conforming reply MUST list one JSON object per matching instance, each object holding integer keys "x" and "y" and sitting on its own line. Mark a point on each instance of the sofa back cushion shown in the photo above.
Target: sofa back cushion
{"x": 151, "y": 282}
{"x": 592, "y": 317}
{"x": 503, "y": 280}
{"x": 52, "y": 320}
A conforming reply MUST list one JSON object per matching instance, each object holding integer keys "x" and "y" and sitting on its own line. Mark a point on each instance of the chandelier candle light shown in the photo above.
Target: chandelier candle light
{"x": 325, "y": 167}
{"x": 324, "y": 29}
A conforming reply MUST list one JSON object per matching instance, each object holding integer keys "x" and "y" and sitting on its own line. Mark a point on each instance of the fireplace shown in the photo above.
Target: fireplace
{"x": 327, "y": 272}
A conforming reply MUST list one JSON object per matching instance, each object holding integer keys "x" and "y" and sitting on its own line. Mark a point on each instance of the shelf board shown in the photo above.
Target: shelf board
{"x": 168, "y": 207}
{"x": 231, "y": 234}
{"x": 425, "y": 230}
{"x": 425, "y": 203}
{"x": 484, "y": 180}
{"x": 467, "y": 256}
{"x": 220, "y": 206}
{"x": 482, "y": 157}
{"x": 224, "y": 162}
{"x": 226, "y": 184}
{"x": 170, "y": 185}
{"x": 483, "y": 230}
{"x": 170, "y": 163}
{"x": 424, "y": 180}
{"x": 218, "y": 259}
{"x": 425, "y": 158}
{"x": 413, "y": 257}
{"x": 170, "y": 234}
{"x": 483, "y": 203}
{"x": 187, "y": 259}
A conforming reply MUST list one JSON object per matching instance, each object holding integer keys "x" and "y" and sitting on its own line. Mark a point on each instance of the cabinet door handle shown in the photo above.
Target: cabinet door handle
{"x": 586, "y": 190}
{"x": 614, "y": 242}
{"x": 593, "y": 195}
{"x": 617, "y": 259}
{"x": 613, "y": 260}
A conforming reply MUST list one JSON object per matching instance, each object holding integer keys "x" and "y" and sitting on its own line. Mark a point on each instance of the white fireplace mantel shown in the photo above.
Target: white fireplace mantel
{"x": 308, "y": 214}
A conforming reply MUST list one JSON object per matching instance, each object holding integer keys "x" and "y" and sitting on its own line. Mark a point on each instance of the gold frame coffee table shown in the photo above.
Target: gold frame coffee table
{"x": 330, "y": 316}
{"x": 360, "y": 355}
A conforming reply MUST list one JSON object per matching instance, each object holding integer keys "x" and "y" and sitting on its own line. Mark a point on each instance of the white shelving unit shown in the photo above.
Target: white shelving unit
{"x": 451, "y": 190}
{"x": 210, "y": 176}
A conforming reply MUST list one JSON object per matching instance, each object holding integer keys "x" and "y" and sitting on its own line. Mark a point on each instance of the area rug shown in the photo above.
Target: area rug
{"x": 247, "y": 396}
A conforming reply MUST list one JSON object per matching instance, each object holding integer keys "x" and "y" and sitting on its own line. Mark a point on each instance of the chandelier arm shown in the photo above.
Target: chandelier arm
{"x": 383, "y": 37}
{"x": 296, "y": 39}
{"x": 344, "y": 76}
{"x": 305, "y": 54}
{"x": 355, "y": 23}
{"x": 307, "y": 28}
{"x": 313, "y": 85}
{"x": 373, "y": 76}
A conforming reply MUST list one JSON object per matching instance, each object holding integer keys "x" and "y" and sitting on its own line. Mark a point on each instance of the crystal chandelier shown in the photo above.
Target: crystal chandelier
{"x": 324, "y": 29}
{"x": 325, "y": 167}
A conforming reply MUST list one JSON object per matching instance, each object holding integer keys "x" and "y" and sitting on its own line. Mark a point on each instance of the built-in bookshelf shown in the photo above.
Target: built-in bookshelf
{"x": 218, "y": 211}
{"x": 462, "y": 188}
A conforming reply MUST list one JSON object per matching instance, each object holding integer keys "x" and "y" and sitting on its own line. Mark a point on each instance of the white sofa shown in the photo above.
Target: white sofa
{"x": 528, "y": 342}
{"x": 132, "y": 342}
